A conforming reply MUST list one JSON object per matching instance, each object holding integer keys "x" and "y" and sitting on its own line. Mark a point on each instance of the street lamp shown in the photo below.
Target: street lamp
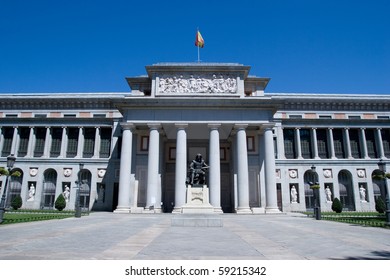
{"x": 382, "y": 167}
{"x": 316, "y": 189}
{"x": 10, "y": 164}
{"x": 77, "y": 205}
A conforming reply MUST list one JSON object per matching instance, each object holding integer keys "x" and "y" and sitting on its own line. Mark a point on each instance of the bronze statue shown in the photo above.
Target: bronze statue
{"x": 198, "y": 171}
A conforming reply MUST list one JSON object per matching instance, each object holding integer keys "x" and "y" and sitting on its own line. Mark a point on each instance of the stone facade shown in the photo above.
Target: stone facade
{"x": 264, "y": 150}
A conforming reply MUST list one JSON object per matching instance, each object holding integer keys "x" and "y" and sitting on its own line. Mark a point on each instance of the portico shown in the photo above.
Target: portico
{"x": 180, "y": 110}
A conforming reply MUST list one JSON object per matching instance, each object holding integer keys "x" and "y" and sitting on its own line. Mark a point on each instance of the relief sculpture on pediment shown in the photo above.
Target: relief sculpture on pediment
{"x": 215, "y": 83}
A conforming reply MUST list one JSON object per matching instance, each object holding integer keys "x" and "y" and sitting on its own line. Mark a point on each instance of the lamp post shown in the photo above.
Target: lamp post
{"x": 382, "y": 167}
{"x": 316, "y": 189}
{"x": 77, "y": 204}
{"x": 10, "y": 164}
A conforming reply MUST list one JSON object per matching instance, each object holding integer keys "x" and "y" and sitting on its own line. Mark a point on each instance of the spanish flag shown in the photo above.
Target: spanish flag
{"x": 199, "y": 42}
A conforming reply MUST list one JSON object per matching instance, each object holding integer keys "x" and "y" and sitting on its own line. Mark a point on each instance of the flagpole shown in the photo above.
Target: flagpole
{"x": 198, "y": 54}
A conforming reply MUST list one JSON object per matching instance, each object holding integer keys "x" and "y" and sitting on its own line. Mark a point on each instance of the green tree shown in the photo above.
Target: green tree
{"x": 60, "y": 203}
{"x": 336, "y": 205}
{"x": 17, "y": 202}
{"x": 380, "y": 206}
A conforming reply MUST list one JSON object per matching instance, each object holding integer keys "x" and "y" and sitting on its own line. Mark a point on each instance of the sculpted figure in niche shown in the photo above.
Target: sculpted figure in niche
{"x": 328, "y": 194}
{"x": 31, "y": 193}
{"x": 294, "y": 195}
{"x": 66, "y": 193}
{"x": 362, "y": 192}
{"x": 198, "y": 171}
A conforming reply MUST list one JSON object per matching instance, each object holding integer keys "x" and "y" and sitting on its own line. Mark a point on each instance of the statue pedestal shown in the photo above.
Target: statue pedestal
{"x": 197, "y": 200}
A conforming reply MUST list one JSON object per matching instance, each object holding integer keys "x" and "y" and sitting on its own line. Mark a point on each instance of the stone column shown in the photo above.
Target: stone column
{"x": 47, "y": 148}
{"x": 347, "y": 143}
{"x": 298, "y": 143}
{"x": 215, "y": 168}
{"x": 152, "y": 199}
{"x": 124, "y": 194}
{"x": 331, "y": 143}
{"x": 379, "y": 142}
{"x": 96, "y": 149}
{"x": 80, "y": 143}
{"x": 242, "y": 170}
{"x": 364, "y": 142}
{"x": 31, "y": 143}
{"x": 181, "y": 167}
{"x": 280, "y": 143}
{"x": 269, "y": 168}
{"x": 64, "y": 142}
{"x": 14, "y": 141}
{"x": 314, "y": 141}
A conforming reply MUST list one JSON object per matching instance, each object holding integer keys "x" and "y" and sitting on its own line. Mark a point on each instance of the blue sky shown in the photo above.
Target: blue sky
{"x": 308, "y": 46}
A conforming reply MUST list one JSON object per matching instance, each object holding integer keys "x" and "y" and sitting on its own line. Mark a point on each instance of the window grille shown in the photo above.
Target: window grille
{"x": 40, "y": 135}
{"x": 355, "y": 143}
{"x": 370, "y": 141}
{"x": 73, "y": 136}
{"x": 338, "y": 143}
{"x": 289, "y": 143}
{"x": 105, "y": 142}
{"x": 8, "y": 134}
{"x": 322, "y": 143}
{"x": 24, "y": 134}
{"x": 89, "y": 142}
{"x": 386, "y": 141}
{"x": 305, "y": 143}
{"x": 56, "y": 135}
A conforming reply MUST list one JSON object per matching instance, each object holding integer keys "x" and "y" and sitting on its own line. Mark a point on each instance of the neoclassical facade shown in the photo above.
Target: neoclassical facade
{"x": 131, "y": 151}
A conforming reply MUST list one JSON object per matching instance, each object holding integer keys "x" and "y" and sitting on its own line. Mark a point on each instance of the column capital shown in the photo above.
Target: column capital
{"x": 154, "y": 125}
{"x": 126, "y": 125}
{"x": 214, "y": 125}
{"x": 240, "y": 126}
{"x": 181, "y": 125}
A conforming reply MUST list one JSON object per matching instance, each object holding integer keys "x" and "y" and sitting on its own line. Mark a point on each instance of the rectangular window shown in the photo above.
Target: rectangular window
{"x": 8, "y": 134}
{"x": 354, "y": 140}
{"x": 73, "y": 138}
{"x": 322, "y": 143}
{"x": 371, "y": 145}
{"x": 24, "y": 135}
{"x": 289, "y": 143}
{"x": 89, "y": 142}
{"x": 56, "y": 136}
{"x": 105, "y": 142}
{"x": 338, "y": 143}
{"x": 306, "y": 143}
{"x": 40, "y": 135}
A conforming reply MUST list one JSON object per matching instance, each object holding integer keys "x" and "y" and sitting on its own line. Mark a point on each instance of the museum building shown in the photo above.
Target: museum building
{"x": 131, "y": 152}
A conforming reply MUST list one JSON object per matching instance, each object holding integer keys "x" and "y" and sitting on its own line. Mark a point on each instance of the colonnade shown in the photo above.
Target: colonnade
{"x": 153, "y": 191}
{"x": 29, "y": 148}
{"x": 363, "y": 148}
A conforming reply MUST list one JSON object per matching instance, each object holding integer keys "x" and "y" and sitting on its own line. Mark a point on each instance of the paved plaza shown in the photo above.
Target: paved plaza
{"x": 106, "y": 236}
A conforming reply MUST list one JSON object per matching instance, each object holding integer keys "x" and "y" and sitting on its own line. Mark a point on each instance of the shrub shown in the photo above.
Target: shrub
{"x": 380, "y": 206}
{"x": 60, "y": 203}
{"x": 17, "y": 202}
{"x": 336, "y": 205}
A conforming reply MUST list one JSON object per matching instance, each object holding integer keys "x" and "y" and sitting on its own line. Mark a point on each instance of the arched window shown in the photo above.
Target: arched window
{"x": 85, "y": 189}
{"x": 15, "y": 186}
{"x": 346, "y": 191}
{"x": 49, "y": 188}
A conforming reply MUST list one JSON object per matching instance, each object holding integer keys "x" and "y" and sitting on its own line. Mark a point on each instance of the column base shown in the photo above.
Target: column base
{"x": 244, "y": 210}
{"x": 218, "y": 210}
{"x": 272, "y": 210}
{"x": 122, "y": 210}
{"x": 177, "y": 210}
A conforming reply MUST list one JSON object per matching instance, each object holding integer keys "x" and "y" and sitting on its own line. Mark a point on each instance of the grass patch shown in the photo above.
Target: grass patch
{"x": 371, "y": 219}
{"x": 23, "y": 215}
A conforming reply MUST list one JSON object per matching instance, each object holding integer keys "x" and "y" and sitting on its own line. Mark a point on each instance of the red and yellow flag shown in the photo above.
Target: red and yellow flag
{"x": 199, "y": 42}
